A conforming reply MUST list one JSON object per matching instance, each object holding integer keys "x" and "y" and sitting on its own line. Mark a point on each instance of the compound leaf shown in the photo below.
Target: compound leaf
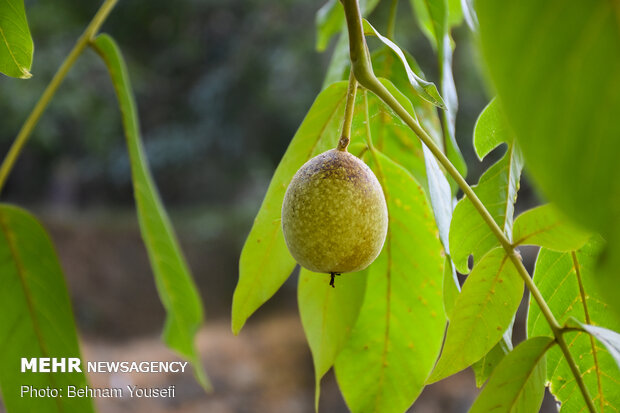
{"x": 178, "y": 293}
{"x": 490, "y": 130}
{"x": 554, "y": 105}
{"x": 37, "y": 319}
{"x": 484, "y": 367}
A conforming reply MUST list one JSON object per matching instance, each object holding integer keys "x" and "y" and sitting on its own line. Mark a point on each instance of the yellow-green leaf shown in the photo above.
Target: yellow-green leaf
{"x": 37, "y": 319}
{"x": 265, "y": 262}
{"x": 16, "y": 45}
{"x": 178, "y": 293}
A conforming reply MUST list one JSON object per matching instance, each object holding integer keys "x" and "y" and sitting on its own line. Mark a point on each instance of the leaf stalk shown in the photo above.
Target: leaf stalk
{"x": 34, "y": 116}
{"x": 362, "y": 69}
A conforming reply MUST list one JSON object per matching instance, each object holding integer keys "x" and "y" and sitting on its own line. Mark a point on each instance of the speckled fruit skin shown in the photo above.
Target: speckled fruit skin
{"x": 334, "y": 214}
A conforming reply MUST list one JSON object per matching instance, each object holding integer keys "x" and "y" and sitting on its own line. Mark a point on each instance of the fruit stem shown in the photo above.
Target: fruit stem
{"x": 361, "y": 67}
{"x": 345, "y": 137}
{"x": 52, "y": 87}
{"x": 333, "y": 279}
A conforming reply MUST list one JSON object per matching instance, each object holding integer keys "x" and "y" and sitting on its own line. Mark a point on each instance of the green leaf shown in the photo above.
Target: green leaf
{"x": 518, "y": 382}
{"x": 383, "y": 63}
{"x": 434, "y": 20}
{"x": 485, "y": 366}
{"x": 490, "y": 130}
{"x": 174, "y": 283}
{"x": 389, "y": 133}
{"x": 442, "y": 205}
{"x": 37, "y": 319}
{"x": 451, "y": 287}
{"x": 455, "y": 13}
{"x": 339, "y": 62}
{"x": 328, "y": 315}
{"x": 432, "y": 17}
{"x": 425, "y": 89}
{"x": 330, "y": 20}
{"x": 554, "y": 104}
{"x": 547, "y": 227}
{"x": 265, "y": 261}
{"x": 482, "y": 313}
{"x": 448, "y": 91}
{"x": 497, "y": 189}
{"x": 567, "y": 281}
{"x": 400, "y": 327}
{"x": 609, "y": 338}
{"x": 16, "y": 45}
{"x": 430, "y": 176}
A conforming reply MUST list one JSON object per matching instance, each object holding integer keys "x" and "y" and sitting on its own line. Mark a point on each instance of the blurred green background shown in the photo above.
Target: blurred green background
{"x": 221, "y": 87}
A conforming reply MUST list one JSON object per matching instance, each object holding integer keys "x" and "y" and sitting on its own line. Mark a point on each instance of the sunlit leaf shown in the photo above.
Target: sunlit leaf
{"x": 485, "y": 366}
{"x": 518, "y": 382}
{"x": 398, "y": 335}
{"x": 425, "y": 89}
{"x": 16, "y": 45}
{"x": 451, "y": 287}
{"x": 567, "y": 281}
{"x": 389, "y": 133}
{"x": 386, "y": 64}
{"x": 265, "y": 261}
{"x": 174, "y": 283}
{"x": 37, "y": 319}
{"x": 482, "y": 312}
{"x": 434, "y": 20}
{"x": 455, "y": 13}
{"x": 490, "y": 130}
{"x": 556, "y": 68}
{"x": 328, "y": 315}
{"x": 547, "y": 227}
{"x": 330, "y": 20}
{"x": 497, "y": 189}
{"x": 609, "y": 338}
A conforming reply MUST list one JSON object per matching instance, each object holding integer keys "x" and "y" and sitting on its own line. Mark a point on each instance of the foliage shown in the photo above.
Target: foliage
{"x": 37, "y": 319}
{"x": 174, "y": 283}
{"x": 572, "y": 52}
{"x": 15, "y": 41}
{"x": 33, "y": 283}
{"x": 382, "y": 329}
{"x": 369, "y": 333}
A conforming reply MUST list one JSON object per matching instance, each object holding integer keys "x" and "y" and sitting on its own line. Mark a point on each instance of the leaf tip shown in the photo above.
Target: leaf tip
{"x": 25, "y": 73}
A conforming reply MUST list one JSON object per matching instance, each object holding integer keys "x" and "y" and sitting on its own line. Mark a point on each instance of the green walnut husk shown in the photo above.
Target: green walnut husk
{"x": 334, "y": 214}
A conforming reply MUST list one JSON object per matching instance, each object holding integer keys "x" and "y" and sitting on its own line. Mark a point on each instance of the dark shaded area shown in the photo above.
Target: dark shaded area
{"x": 221, "y": 87}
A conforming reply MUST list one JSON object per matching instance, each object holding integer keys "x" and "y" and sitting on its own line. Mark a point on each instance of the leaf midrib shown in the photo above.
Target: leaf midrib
{"x": 21, "y": 272}
{"x": 582, "y": 293}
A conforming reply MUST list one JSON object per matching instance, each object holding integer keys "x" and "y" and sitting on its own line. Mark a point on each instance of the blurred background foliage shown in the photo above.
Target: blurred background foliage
{"x": 221, "y": 87}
